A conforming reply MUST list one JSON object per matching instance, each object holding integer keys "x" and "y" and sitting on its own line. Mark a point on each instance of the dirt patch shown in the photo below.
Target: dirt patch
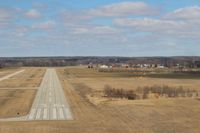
{"x": 82, "y": 89}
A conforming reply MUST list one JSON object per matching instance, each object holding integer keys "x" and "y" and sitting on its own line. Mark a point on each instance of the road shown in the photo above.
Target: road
{"x": 11, "y": 75}
{"x": 50, "y": 102}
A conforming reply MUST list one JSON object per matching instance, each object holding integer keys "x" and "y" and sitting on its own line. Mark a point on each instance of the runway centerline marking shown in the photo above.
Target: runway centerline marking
{"x": 50, "y": 102}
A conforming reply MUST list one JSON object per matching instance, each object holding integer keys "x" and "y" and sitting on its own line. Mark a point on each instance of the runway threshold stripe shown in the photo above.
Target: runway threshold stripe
{"x": 31, "y": 116}
{"x": 61, "y": 114}
{"x": 52, "y": 108}
{"x": 50, "y": 99}
{"x": 45, "y": 114}
{"x": 38, "y": 114}
{"x": 54, "y": 113}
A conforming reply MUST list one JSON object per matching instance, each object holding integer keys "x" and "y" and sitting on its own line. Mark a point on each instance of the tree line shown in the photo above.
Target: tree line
{"x": 189, "y": 62}
{"x": 146, "y": 91}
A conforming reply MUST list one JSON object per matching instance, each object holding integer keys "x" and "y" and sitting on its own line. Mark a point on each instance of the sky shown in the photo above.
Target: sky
{"x": 99, "y": 28}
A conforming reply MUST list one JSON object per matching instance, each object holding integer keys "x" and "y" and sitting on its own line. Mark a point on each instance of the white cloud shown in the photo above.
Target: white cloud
{"x": 103, "y": 30}
{"x": 180, "y": 24}
{"x": 71, "y": 18}
{"x": 40, "y": 6}
{"x": 123, "y": 9}
{"x": 44, "y": 25}
{"x": 187, "y": 13}
{"x": 148, "y": 24}
{"x": 133, "y": 28}
{"x": 5, "y": 17}
{"x": 33, "y": 14}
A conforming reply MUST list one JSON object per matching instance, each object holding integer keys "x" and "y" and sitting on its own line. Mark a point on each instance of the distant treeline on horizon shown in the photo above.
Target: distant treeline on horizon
{"x": 187, "y": 61}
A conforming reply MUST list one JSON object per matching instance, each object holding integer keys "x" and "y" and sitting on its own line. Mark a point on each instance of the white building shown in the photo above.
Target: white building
{"x": 104, "y": 66}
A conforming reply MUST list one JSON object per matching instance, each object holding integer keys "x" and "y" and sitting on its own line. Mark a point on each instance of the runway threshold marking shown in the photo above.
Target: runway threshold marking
{"x": 32, "y": 114}
{"x": 45, "y": 114}
{"x": 38, "y": 114}
{"x": 50, "y": 102}
{"x": 61, "y": 114}
{"x": 54, "y": 114}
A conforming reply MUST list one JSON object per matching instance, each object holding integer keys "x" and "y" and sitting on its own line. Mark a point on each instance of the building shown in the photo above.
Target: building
{"x": 104, "y": 66}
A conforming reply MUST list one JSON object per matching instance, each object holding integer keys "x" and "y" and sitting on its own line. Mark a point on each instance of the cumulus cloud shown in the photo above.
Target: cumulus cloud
{"x": 4, "y": 14}
{"x": 44, "y": 25}
{"x": 148, "y": 24}
{"x": 133, "y": 28}
{"x": 181, "y": 23}
{"x": 71, "y": 17}
{"x": 123, "y": 9}
{"x": 5, "y": 17}
{"x": 40, "y": 6}
{"x": 33, "y": 14}
{"x": 186, "y": 13}
{"x": 95, "y": 30}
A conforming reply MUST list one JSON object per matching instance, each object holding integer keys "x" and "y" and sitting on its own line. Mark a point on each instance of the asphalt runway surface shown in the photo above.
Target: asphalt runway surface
{"x": 50, "y": 102}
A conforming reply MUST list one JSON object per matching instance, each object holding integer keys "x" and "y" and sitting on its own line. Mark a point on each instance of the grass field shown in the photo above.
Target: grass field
{"x": 6, "y": 71}
{"x": 29, "y": 78}
{"x": 17, "y": 93}
{"x": 178, "y": 115}
{"x": 97, "y": 80}
{"x": 15, "y": 101}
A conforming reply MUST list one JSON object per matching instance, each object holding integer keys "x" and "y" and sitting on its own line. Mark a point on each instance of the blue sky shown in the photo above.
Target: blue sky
{"x": 99, "y": 28}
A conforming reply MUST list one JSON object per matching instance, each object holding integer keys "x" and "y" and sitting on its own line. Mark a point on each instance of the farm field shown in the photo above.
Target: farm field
{"x": 95, "y": 113}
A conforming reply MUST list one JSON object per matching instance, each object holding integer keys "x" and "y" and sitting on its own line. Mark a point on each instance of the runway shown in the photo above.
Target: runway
{"x": 50, "y": 102}
{"x": 11, "y": 75}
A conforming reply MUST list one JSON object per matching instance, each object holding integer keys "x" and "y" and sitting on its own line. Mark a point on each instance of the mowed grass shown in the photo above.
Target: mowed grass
{"x": 14, "y": 101}
{"x": 18, "y": 92}
{"x": 128, "y": 116}
{"x": 83, "y": 72}
{"x": 6, "y": 71}
{"x": 97, "y": 80}
{"x": 172, "y": 116}
{"x": 116, "y": 116}
{"x": 31, "y": 77}
{"x": 175, "y": 76}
